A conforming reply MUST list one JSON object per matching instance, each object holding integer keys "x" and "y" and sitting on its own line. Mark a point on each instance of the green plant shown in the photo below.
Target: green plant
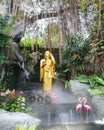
{"x": 26, "y": 55}
{"x": 25, "y": 127}
{"x": 28, "y": 42}
{"x": 67, "y": 84}
{"x": 83, "y": 78}
{"x": 7, "y": 77}
{"x": 1, "y": 87}
{"x": 20, "y": 101}
{"x": 97, "y": 84}
{"x": 6, "y": 26}
{"x": 96, "y": 91}
{"x": 64, "y": 71}
{"x": 96, "y": 81}
{"x": 96, "y": 38}
{"x": 53, "y": 35}
{"x": 83, "y": 6}
{"x": 28, "y": 110}
{"x": 13, "y": 103}
{"x": 74, "y": 54}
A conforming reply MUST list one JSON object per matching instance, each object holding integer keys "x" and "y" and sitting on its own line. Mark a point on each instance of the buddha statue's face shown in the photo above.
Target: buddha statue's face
{"x": 47, "y": 54}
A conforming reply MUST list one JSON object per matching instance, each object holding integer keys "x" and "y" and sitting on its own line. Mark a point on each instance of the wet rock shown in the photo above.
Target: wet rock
{"x": 9, "y": 120}
{"x": 98, "y": 102}
{"x": 79, "y": 89}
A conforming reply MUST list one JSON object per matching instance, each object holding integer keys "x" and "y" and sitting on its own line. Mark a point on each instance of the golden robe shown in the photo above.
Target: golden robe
{"x": 47, "y": 72}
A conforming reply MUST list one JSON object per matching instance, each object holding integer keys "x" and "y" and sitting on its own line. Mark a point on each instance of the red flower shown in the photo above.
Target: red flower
{"x": 12, "y": 95}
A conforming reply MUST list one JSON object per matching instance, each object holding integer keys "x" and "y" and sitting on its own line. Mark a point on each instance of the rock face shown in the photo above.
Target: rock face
{"x": 9, "y": 120}
{"x": 98, "y": 102}
{"x": 79, "y": 89}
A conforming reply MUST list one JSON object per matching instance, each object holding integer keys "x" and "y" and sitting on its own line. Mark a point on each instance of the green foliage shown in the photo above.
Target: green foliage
{"x": 53, "y": 35}
{"x": 26, "y": 55}
{"x": 14, "y": 105}
{"x": 65, "y": 71}
{"x": 96, "y": 81}
{"x": 6, "y": 25}
{"x": 20, "y": 103}
{"x": 28, "y": 110}
{"x": 93, "y": 28}
{"x": 93, "y": 80}
{"x": 6, "y": 83}
{"x": 28, "y": 42}
{"x": 6, "y": 22}
{"x": 83, "y": 6}
{"x": 96, "y": 91}
{"x": 97, "y": 44}
{"x": 96, "y": 37}
{"x": 83, "y": 78}
{"x": 3, "y": 58}
{"x": 25, "y": 127}
{"x": 1, "y": 87}
{"x": 67, "y": 84}
{"x": 74, "y": 52}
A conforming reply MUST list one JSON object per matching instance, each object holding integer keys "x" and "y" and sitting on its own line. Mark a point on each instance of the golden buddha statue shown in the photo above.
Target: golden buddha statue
{"x": 47, "y": 70}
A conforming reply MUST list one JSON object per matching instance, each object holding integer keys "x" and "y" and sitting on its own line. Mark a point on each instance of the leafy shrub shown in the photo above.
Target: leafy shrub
{"x": 12, "y": 102}
{"x": 83, "y": 78}
{"x": 28, "y": 42}
{"x": 96, "y": 81}
{"x": 96, "y": 91}
{"x": 25, "y": 127}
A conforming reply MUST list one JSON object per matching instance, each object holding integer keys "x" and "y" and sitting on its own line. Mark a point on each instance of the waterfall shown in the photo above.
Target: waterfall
{"x": 48, "y": 120}
{"x": 71, "y": 115}
{"x": 25, "y": 71}
{"x": 64, "y": 117}
{"x": 19, "y": 58}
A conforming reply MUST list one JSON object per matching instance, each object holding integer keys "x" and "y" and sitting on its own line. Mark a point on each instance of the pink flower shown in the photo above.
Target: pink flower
{"x": 2, "y": 94}
{"x": 53, "y": 95}
{"x": 21, "y": 93}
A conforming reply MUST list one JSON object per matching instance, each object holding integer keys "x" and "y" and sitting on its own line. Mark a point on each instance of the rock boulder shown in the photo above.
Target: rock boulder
{"x": 9, "y": 120}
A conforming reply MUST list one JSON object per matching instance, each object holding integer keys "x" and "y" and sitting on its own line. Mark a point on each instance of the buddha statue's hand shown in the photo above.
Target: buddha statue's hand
{"x": 54, "y": 74}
